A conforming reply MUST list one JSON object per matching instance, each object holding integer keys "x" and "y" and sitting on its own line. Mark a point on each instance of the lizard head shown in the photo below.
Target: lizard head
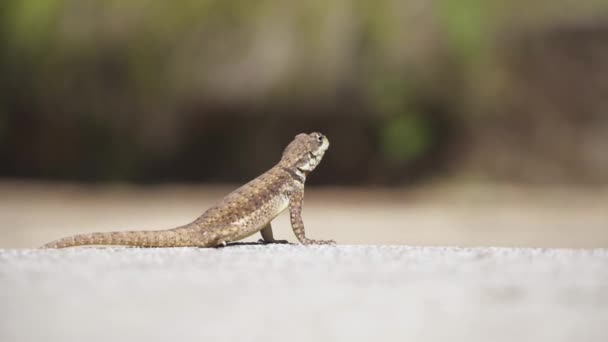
{"x": 305, "y": 151}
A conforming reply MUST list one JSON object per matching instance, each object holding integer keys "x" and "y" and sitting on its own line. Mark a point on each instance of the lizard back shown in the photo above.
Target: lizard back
{"x": 247, "y": 209}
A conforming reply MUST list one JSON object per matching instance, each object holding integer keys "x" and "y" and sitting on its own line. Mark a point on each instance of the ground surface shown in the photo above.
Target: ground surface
{"x": 32, "y": 214}
{"x": 296, "y": 293}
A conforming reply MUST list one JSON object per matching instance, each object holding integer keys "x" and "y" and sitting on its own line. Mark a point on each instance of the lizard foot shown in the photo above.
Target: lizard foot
{"x": 264, "y": 242}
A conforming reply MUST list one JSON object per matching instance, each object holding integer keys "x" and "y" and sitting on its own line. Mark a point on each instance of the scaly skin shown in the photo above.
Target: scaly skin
{"x": 242, "y": 213}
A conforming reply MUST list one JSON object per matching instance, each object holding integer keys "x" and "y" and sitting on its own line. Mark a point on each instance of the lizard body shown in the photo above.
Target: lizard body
{"x": 240, "y": 214}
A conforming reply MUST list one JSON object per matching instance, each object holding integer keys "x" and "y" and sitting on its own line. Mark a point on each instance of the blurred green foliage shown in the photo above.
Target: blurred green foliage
{"x": 406, "y": 137}
{"x": 114, "y": 89}
{"x": 405, "y": 134}
{"x": 467, "y": 25}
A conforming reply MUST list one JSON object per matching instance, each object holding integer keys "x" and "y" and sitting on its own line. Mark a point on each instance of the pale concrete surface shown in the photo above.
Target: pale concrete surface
{"x": 32, "y": 214}
{"x": 297, "y": 293}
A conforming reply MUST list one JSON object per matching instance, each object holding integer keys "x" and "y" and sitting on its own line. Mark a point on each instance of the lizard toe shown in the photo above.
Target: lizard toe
{"x": 262, "y": 241}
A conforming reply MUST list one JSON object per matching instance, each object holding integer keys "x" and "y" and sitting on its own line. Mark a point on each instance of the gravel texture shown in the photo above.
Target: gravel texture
{"x": 297, "y": 293}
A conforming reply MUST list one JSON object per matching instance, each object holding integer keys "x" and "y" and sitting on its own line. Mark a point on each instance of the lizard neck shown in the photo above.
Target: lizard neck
{"x": 297, "y": 175}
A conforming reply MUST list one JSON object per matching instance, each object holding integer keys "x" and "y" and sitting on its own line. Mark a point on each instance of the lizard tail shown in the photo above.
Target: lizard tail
{"x": 160, "y": 238}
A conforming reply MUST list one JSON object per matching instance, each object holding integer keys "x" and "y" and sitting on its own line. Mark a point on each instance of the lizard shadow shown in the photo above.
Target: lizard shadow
{"x": 230, "y": 244}
{"x": 257, "y": 243}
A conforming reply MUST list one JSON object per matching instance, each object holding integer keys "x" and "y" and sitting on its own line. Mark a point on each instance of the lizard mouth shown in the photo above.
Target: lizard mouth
{"x": 315, "y": 158}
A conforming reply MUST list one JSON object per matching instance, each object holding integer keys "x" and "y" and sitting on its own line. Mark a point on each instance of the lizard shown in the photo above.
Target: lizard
{"x": 240, "y": 214}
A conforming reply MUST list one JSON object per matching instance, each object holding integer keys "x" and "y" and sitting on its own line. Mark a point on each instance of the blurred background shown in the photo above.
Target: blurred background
{"x": 451, "y": 122}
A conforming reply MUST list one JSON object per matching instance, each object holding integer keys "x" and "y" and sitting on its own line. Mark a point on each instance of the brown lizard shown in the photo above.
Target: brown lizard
{"x": 242, "y": 213}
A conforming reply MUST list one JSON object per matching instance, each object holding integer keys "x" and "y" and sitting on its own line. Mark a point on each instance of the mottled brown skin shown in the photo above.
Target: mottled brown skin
{"x": 245, "y": 211}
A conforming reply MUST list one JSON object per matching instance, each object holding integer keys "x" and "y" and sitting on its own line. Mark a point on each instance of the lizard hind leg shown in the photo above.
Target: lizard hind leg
{"x": 268, "y": 237}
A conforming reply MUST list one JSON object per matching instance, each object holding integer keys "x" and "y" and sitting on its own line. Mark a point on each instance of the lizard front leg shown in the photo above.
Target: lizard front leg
{"x": 295, "y": 214}
{"x": 267, "y": 236}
